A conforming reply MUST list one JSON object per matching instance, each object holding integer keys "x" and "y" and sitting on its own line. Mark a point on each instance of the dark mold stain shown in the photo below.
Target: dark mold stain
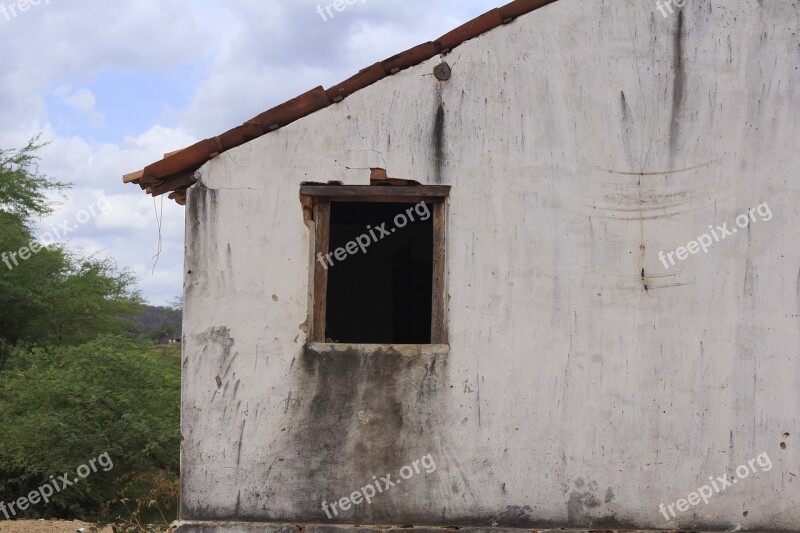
{"x": 750, "y": 279}
{"x": 512, "y": 516}
{"x": 214, "y": 345}
{"x": 678, "y": 85}
{"x": 579, "y": 503}
{"x": 202, "y": 239}
{"x": 438, "y": 143}
{"x": 626, "y": 112}
{"x": 241, "y": 440}
{"x": 629, "y": 133}
{"x": 583, "y": 504}
{"x": 366, "y": 412}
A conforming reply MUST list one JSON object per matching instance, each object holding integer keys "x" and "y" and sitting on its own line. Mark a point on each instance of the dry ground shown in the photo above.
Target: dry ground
{"x": 46, "y": 526}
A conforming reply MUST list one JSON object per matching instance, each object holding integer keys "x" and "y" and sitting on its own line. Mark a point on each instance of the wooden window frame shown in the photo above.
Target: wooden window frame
{"x": 321, "y": 198}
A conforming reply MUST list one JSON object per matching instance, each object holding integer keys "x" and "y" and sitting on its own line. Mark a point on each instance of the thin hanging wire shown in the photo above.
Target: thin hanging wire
{"x": 159, "y": 220}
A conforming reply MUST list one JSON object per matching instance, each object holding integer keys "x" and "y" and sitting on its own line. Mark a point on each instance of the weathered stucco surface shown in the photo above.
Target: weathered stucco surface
{"x": 585, "y": 383}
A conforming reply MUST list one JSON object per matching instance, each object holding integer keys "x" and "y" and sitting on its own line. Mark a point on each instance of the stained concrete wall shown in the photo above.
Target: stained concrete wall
{"x": 585, "y": 383}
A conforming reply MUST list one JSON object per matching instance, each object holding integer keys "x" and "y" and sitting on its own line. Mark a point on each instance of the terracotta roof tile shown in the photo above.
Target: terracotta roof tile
{"x": 179, "y": 196}
{"x": 515, "y": 9}
{"x": 133, "y": 177}
{"x": 175, "y": 173}
{"x": 294, "y": 109}
{"x": 411, "y": 57}
{"x": 240, "y": 135}
{"x": 363, "y": 79}
{"x": 193, "y": 156}
{"x": 470, "y": 30}
{"x": 174, "y": 182}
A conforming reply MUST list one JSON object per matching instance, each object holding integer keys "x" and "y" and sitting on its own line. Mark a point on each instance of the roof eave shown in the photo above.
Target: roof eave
{"x": 175, "y": 172}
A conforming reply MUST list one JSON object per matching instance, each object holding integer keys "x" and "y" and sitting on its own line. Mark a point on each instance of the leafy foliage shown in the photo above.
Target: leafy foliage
{"x": 54, "y": 296}
{"x": 75, "y": 383}
{"x": 62, "y": 406}
{"x": 23, "y": 190}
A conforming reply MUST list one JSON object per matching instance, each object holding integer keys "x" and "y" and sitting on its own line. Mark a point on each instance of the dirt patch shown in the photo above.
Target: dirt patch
{"x": 48, "y": 526}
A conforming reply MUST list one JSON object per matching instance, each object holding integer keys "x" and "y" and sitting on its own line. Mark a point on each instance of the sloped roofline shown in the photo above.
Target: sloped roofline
{"x": 175, "y": 172}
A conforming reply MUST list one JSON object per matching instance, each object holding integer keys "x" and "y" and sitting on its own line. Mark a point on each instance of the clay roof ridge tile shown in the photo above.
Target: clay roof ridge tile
{"x": 174, "y": 173}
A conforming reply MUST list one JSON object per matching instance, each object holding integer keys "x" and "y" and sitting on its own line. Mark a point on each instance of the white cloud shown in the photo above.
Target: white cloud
{"x": 243, "y": 56}
{"x": 83, "y": 102}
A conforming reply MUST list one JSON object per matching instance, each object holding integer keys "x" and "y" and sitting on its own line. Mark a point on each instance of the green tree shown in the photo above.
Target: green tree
{"x": 84, "y": 298}
{"x": 23, "y": 190}
{"x": 63, "y": 406}
{"x": 54, "y": 296}
{"x": 72, "y": 387}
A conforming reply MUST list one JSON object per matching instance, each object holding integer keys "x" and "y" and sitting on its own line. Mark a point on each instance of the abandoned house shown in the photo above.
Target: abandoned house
{"x": 541, "y": 272}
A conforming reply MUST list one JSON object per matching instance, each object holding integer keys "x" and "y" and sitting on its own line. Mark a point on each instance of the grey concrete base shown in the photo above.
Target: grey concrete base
{"x": 265, "y": 527}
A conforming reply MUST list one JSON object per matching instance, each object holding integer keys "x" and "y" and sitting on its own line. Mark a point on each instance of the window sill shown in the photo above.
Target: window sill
{"x": 404, "y": 350}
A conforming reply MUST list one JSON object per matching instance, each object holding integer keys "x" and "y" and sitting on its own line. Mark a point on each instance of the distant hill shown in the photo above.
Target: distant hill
{"x": 157, "y": 324}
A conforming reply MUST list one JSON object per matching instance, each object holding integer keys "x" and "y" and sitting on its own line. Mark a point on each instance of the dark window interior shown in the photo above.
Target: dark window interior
{"x": 382, "y": 296}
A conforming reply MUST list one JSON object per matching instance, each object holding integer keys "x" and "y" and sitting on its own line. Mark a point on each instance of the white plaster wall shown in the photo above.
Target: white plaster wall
{"x": 580, "y": 141}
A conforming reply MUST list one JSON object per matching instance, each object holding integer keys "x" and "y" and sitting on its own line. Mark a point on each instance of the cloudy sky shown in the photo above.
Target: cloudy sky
{"x": 112, "y": 86}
